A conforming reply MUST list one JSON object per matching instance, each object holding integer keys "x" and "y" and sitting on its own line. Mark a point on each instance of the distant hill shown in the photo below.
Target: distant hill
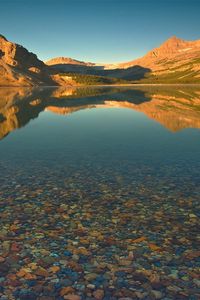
{"x": 67, "y": 60}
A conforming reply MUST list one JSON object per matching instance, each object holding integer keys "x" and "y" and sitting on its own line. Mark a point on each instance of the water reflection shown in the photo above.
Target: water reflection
{"x": 175, "y": 108}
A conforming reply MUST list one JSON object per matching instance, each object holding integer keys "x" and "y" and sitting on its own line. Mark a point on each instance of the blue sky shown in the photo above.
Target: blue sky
{"x": 97, "y": 30}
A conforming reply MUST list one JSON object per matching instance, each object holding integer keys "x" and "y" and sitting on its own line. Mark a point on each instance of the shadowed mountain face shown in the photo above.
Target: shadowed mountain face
{"x": 133, "y": 73}
{"x": 175, "y": 109}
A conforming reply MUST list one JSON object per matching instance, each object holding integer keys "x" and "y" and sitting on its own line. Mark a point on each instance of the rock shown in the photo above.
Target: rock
{"x": 46, "y": 298}
{"x": 154, "y": 247}
{"x": 174, "y": 289}
{"x": 156, "y": 294}
{"x": 192, "y": 216}
{"x": 139, "y": 276}
{"x": 125, "y": 262}
{"x": 25, "y": 294}
{"x": 17, "y": 64}
{"x": 91, "y": 276}
{"x": 2, "y": 259}
{"x": 66, "y": 290}
{"x": 197, "y": 282}
{"x": 91, "y": 286}
{"x": 41, "y": 272}
{"x": 139, "y": 240}
{"x": 15, "y": 247}
{"x": 54, "y": 269}
{"x": 4, "y": 268}
{"x": 72, "y": 297}
{"x": 98, "y": 294}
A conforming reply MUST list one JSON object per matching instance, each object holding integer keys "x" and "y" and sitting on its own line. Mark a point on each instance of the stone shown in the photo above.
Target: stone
{"x": 54, "y": 269}
{"x": 66, "y": 290}
{"x": 98, "y": 294}
{"x": 156, "y": 294}
{"x": 4, "y": 268}
{"x": 72, "y": 297}
{"x": 41, "y": 272}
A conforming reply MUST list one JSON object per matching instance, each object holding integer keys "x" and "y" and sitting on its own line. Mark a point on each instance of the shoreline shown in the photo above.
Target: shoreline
{"x": 103, "y": 85}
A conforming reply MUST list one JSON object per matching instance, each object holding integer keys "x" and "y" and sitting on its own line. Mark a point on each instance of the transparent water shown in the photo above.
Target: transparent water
{"x": 102, "y": 181}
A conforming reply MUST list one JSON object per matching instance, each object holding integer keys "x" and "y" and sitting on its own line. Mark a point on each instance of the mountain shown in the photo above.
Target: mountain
{"x": 172, "y": 48}
{"x": 176, "y": 60}
{"x": 68, "y": 60}
{"x": 19, "y": 67}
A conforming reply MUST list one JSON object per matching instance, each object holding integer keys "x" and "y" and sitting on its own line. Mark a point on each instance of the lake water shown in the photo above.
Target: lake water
{"x": 99, "y": 193}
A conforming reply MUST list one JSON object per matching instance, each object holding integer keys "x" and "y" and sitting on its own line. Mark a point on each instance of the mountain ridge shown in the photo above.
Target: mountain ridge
{"x": 174, "y": 61}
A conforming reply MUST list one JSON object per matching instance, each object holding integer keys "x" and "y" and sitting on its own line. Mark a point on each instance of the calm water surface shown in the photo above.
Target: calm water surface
{"x": 99, "y": 193}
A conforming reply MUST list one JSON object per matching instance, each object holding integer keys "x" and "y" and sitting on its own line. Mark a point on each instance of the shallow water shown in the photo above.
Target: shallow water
{"x": 99, "y": 193}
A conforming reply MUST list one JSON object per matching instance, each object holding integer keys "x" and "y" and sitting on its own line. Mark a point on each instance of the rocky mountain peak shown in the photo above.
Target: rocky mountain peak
{"x": 17, "y": 56}
{"x": 173, "y": 39}
{"x": 18, "y": 66}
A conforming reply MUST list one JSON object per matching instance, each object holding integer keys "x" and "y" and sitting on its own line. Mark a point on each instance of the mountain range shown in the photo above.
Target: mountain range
{"x": 175, "y": 61}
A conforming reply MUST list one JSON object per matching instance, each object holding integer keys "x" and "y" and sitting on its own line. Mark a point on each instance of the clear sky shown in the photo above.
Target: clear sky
{"x": 97, "y": 30}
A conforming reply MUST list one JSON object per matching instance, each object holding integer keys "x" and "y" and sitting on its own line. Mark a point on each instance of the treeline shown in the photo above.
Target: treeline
{"x": 179, "y": 77}
{"x": 93, "y": 79}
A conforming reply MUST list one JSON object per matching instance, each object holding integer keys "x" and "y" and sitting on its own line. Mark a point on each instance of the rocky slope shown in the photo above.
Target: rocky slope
{"x": 19, "y": 67}
{"x": 176, "y": 60}
{"x": 172, "y": 48}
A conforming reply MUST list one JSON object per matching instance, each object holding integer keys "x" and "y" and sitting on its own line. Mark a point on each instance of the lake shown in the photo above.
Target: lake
{"x": 99, "y": 193}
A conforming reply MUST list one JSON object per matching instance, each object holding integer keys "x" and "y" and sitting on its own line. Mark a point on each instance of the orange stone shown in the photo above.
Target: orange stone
{"x": 30, "y": 276}
{"x": 14, "y": 227}
{"x": 54, "y": 269}
{"x": 141, "y": 239}
{"x": 41, "y": 272}
{"x": 21, "y": 273}
{"x": 66, "y": 290}
{"x": 154, "y": 247}
{"x": 72, "y": 297}
{"x": 98, "y": 294}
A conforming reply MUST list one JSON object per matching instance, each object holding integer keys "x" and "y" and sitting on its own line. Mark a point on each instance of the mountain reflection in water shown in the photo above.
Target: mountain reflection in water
{"x": 175, "y": 108}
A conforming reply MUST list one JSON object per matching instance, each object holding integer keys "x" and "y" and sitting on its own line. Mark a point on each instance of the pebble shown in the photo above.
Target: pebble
{"x": 98, "y": 294}
{"x": 79, "y": 234}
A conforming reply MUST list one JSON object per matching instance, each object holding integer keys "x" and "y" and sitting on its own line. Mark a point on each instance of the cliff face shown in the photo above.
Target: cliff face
{"x": 17, "y": 56}
{"x": 19, "y": 67}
